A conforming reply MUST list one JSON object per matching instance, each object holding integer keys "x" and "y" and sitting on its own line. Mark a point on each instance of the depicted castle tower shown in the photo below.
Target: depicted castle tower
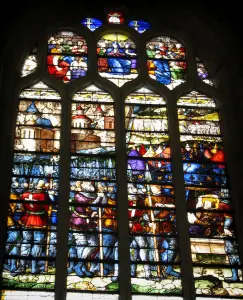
{"x": 36, "y": 133}
{"x": 83, "y": 136}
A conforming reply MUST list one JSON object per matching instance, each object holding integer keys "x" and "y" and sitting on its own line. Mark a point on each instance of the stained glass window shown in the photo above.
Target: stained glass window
{"x": 93, "y": 244}
{"x": 214, "y": 248}
{"x": 67, "y": 56}
{"x": 30, "y": 63}
{"x": 166, "y": 61}
{"x": 92, "y": 23}
{"x": 154, "y": 251}
{"x": 203, "y": 73}
{"x": 140, "y": 26}
{"x": 30, "y": 248}
{"x": 117, "y": 58}
{"x": 120, "y": 207}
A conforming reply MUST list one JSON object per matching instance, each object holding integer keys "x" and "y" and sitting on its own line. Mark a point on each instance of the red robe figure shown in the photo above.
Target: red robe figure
{"x": 33, "y": 221}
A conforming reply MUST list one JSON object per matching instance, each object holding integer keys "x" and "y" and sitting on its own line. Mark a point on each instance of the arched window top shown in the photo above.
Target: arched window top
{"x": 196, "y": 99}
{"x": 30, "y": 63}
{"x": 40, "y": 91}
{"x": 117, "y": 58}
{"x": 67, "y": 56}
{"x": 92, "y": 94}
{"x": 144, "y": 96}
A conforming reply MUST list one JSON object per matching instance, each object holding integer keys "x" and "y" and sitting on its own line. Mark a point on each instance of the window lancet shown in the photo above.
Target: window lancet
{"x": 30, "y": 248}
{"x": 154, "y": 249}
{"x": 214, "y": 249}
{"x": 93, "y": 244}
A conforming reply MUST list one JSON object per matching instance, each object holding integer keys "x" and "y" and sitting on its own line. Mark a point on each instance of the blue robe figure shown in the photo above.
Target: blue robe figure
{"x": 116, "y": 64}
{"x": 162, "y": 71}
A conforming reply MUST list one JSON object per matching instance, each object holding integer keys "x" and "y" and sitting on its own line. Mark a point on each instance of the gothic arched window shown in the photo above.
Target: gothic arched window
{"x": 119, "y": 186}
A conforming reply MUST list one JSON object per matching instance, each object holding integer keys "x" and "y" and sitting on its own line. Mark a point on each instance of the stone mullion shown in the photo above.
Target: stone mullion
{"x": 122, "y": 203}
{"x": 8, "y": 121}
{"x": 181, "y": 208}
{"x": 63, "y": 203}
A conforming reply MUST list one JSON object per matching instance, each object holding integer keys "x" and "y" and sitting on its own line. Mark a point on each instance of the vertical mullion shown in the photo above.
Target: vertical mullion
{"x": 122, "y": 203}
{"x": 181, "y": 209}
{"x": 62, "y": 228}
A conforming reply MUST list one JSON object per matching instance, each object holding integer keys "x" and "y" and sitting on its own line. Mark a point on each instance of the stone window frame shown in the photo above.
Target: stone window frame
{"x": 13, "y": 57}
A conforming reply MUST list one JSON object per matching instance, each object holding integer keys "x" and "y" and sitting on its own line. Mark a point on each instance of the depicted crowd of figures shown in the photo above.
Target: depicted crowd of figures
{"x": 166, "y": 61}
{"x": 67, "y": 56}
{"x": 93, "y": 228}
{"x": 31, "y": 237}
{"x": 152, "y": 223}
{"x": 93, "y": 245}
{"x": 154, "y": 253}
{"x": 93, "y": 248}
{"x": 32, "y": 219}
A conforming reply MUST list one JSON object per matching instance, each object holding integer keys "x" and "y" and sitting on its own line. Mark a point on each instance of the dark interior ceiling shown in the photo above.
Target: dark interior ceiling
{"x": 229, "y": 15}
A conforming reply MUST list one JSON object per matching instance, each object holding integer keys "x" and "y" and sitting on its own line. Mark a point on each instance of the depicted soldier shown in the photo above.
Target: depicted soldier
{"x": 14, "y": 236}
{"x": 166, "y": 226}
{"x": 33, "y": 221}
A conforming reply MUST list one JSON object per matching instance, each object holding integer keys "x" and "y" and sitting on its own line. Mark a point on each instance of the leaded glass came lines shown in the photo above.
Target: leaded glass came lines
{"x": 214, "y": 248}
{"x": 30, "y": 248}
{"x": 154, "y": 253}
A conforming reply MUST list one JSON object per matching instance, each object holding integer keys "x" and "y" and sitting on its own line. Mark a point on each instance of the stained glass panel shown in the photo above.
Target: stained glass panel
{"x": 30, "y": 248}
{"x": 143, "y": 297}
{"x": 67, "y": 56}
{"x": 115, "y": 17}
{"x": 117, "y": 58}
{"x": 93, "y": 244}
{"x": 30, "y": 63}
{"x": 40, "y": 91}
{"x": 92, "y": 23}
{"x": 154, "y": 253}
{"x": 89, "y": 296}
{"x": 214, "y": 247}
{"x": 166, "y": 61}
{"x": 140, "y": 26}
{"x": 23, "y": 295}
{"x": 203, "y": 73}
